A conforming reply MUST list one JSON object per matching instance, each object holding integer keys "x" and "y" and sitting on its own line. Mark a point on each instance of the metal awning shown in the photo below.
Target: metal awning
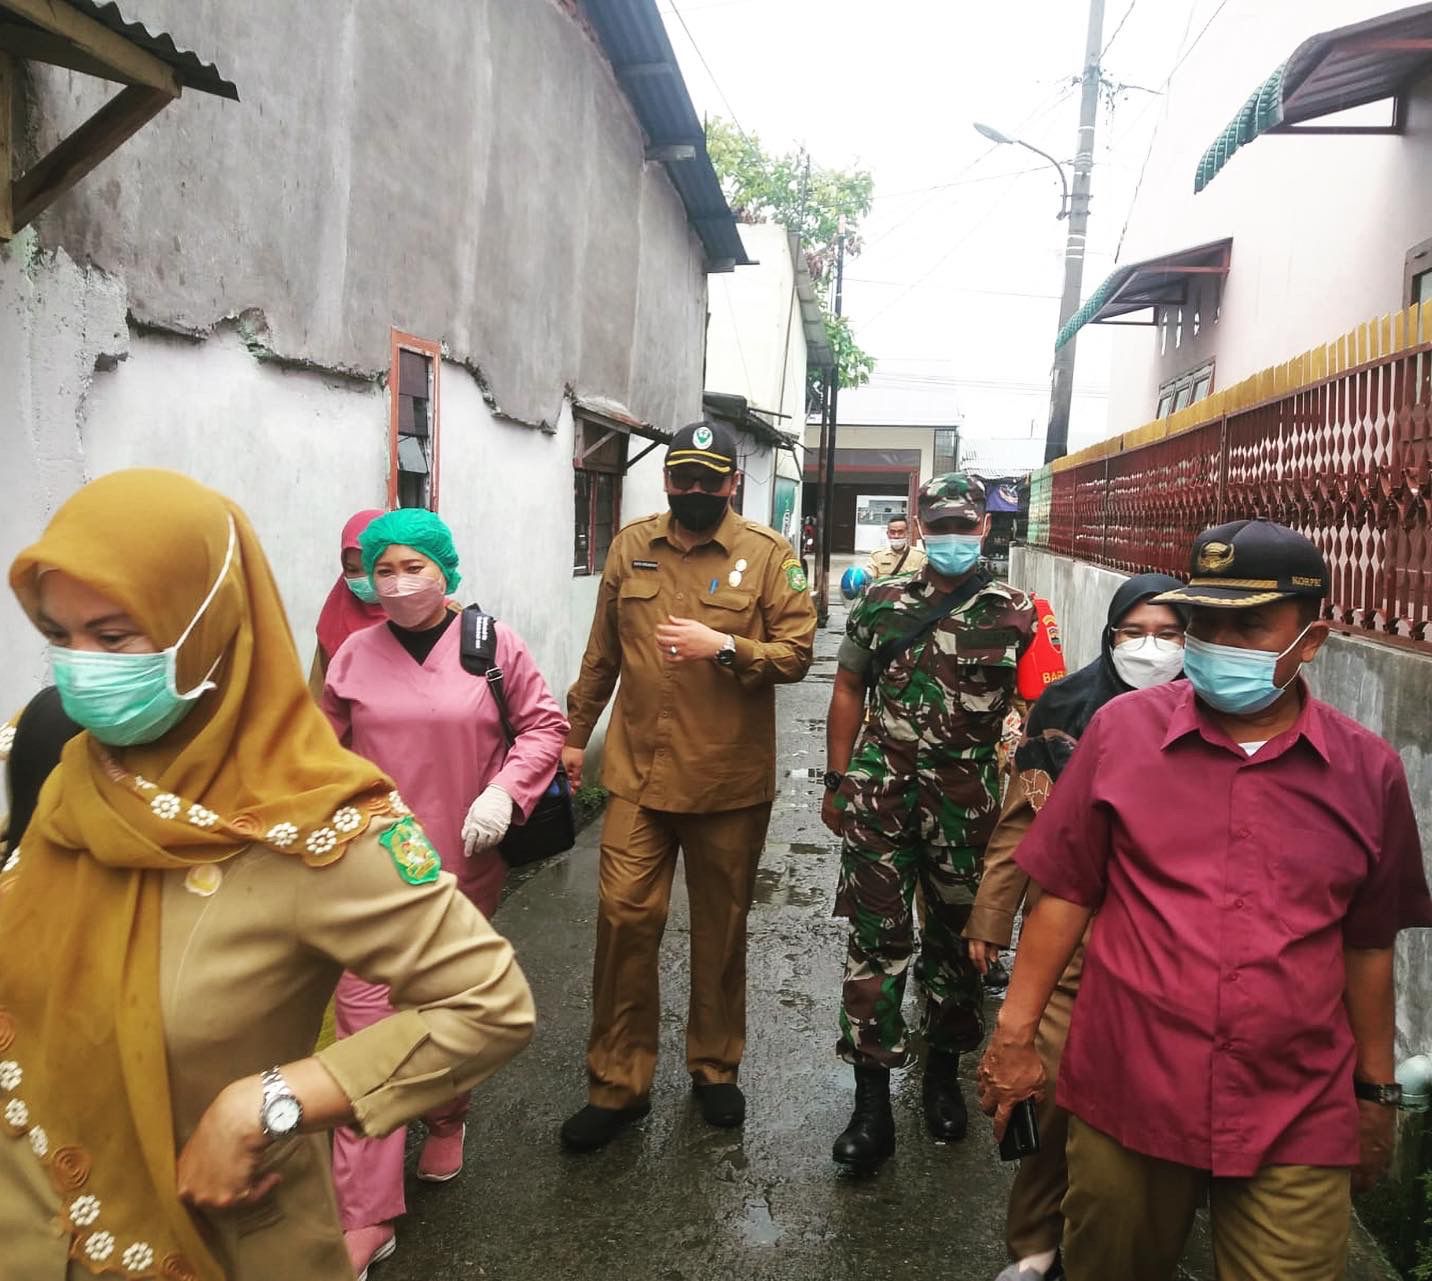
{"x": 635, "y": 41}
{"x": 95, "y": 40}
{"x": 1334, "y": 71}
{"x": 615, "y": 416}
{"x": 818, "y": 352}
{"x": 744, "y": 416}
{"x": 1155, "y": 282}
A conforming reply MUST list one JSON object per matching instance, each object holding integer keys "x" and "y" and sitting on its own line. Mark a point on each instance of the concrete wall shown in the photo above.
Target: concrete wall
{"x": 468, "y": 173}
{"x": 1320, "y": 225}
{"x": 1382, "y": 687}
{"x": 756, "y": 348}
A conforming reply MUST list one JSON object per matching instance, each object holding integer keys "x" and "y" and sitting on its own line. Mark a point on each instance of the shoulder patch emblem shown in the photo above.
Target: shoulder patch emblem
{"x": 795, "y": 577}
{"x": 411, "y": 851}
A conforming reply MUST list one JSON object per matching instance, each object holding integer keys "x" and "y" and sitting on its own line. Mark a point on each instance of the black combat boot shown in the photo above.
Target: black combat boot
{"x": 869, "y": 1139}
{"x": 945, "y": 1115}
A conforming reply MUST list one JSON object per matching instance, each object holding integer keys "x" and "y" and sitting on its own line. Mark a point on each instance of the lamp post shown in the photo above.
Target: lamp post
{"x": 1076, "y": 207}
{"x": 994, "y": 135}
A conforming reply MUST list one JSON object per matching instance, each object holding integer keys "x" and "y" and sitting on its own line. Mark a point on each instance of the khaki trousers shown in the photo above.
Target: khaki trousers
{"x": 1128, "y": 1216}
{"x": 638, "y": 860}
{"x": 1034, "y": 1222}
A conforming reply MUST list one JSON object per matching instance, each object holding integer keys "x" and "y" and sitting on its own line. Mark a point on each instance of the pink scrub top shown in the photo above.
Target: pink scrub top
{"x": 434, "y": 728}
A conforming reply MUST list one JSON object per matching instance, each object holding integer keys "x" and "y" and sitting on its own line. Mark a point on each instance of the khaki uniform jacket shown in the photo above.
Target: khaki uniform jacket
{"x": 883, "y": 563}
{"x": 693, "y": 737}
{"x": 245, "y": 975}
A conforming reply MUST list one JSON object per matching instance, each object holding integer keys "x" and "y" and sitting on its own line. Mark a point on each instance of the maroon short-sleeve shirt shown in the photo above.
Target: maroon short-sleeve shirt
{"x": 1209, "y": 1028}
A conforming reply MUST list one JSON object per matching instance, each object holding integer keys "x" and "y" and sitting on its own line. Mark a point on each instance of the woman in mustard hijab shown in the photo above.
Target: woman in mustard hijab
{"x": 200, "y": 868}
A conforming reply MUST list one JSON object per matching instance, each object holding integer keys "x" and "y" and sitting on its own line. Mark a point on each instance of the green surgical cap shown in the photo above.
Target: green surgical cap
{"x": 413, "y": 527}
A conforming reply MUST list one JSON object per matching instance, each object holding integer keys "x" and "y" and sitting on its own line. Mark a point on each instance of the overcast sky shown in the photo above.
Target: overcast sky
{"x": 957, "y": 292}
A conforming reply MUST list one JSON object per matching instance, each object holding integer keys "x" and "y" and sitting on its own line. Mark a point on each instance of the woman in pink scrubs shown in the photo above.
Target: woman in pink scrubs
{"x": 398, "y": 694}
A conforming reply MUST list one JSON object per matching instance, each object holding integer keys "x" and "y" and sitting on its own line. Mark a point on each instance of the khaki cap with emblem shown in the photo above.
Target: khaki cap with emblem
{"x": 704, "y": 444}
{"x": 1250, "y": 562}
{"x": 956, "y": 496}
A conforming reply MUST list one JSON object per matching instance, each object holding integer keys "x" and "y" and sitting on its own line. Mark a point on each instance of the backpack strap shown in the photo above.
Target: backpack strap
{"x": 478, "y": 654}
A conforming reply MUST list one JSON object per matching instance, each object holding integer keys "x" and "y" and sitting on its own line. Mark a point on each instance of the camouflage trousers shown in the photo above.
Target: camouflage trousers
{"x": 900, "y": 831}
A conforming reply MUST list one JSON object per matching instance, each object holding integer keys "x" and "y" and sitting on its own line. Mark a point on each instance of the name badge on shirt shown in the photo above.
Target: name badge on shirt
{"x": 645, "y": 564}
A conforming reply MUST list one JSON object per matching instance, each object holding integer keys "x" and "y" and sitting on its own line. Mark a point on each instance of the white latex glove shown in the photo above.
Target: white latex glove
{"x": 487, "y": 821}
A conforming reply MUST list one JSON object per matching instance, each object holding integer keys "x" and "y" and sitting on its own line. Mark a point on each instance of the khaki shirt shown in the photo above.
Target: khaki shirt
{"x": 883, "y": 563}
{"x": 693, "y": 737}
{"x": 245, "y": 975}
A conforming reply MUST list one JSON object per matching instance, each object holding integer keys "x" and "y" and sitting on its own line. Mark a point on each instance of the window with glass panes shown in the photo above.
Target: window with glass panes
{"x": 596, "y": 493}
{"x": 413, "y": 390}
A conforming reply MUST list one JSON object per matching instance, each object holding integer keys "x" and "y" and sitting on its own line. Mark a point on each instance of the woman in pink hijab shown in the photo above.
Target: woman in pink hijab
{"x": 352, "y": 603}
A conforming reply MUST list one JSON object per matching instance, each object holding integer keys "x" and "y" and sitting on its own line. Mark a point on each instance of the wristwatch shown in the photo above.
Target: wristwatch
{"x": 726, "y": 656}
{"x": 279, "y": 1109}
{"x": 832, "y": 780}
{"x": 1388, "y": 1095}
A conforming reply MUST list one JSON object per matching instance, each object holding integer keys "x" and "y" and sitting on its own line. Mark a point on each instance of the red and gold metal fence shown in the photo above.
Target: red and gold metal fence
{"x": 1336, "y": 444}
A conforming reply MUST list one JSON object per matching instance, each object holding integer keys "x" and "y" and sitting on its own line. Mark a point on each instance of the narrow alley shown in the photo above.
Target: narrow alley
{"x": 676, "y": 1200}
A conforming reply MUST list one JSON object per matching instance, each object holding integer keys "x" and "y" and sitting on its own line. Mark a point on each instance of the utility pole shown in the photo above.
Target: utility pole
{"x": 826, "y": 531}
{"x": 1061, "y": 391}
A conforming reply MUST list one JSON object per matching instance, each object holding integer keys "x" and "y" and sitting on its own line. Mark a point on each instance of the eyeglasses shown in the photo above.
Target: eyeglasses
{"x": 1172, "y": 635}
{"x": 682, "y": 479}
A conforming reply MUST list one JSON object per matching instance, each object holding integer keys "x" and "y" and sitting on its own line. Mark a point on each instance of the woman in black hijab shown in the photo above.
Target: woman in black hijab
{"x": 1141, "y": 646}
{"x": 39, "y": 737}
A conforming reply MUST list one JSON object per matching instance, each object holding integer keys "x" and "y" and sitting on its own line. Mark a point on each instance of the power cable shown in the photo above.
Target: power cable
{"x": 716, "y": 83}
{"x": 1128, "y": 13}
{"x": 1153, "y": 137}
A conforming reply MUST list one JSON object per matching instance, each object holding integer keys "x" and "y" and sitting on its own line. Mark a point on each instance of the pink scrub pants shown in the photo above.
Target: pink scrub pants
{"x": 368, "y": 1173}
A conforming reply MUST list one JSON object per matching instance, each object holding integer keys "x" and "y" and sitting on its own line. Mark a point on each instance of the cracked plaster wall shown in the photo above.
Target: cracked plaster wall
{"x": 466, "y": 172}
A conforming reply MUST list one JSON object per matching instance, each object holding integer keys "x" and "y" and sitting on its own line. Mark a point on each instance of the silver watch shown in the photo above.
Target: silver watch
{"x": 726, "y": 656}
{"x": 280, "y": 1112}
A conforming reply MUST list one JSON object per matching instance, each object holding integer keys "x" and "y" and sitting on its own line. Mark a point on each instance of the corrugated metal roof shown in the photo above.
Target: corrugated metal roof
{"x": 636, "y": 44}
{"x": 192, "y": 73}
{"x": 1151, "y": 283}
{"x": 1333, "y": 71}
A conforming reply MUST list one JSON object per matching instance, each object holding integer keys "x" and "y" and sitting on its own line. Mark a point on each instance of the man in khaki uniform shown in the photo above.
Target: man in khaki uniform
{"x": 901, "y": 556}
{"x": 700, "y": 613}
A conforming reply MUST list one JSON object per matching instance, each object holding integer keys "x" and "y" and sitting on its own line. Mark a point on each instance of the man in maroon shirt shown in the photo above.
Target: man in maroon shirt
{"x": 1252, "y": 854}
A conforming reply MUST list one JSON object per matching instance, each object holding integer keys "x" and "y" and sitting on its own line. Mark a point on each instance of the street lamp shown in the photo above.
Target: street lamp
{"x": 1003, "y": 140}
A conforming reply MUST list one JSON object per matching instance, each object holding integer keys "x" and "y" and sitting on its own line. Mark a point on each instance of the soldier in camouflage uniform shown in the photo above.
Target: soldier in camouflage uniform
{"x": 916, "y": 802}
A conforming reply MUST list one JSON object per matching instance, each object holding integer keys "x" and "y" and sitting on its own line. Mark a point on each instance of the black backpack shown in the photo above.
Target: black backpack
{"x": 552, "y": 827}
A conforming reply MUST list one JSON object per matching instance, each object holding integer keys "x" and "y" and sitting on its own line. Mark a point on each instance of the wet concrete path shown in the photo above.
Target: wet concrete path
{"x": 675, "y": 1200}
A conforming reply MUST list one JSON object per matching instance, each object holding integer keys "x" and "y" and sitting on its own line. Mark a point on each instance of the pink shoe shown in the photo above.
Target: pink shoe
{"x": 441, "y": 1157}
{"x": 367, "y": 1246}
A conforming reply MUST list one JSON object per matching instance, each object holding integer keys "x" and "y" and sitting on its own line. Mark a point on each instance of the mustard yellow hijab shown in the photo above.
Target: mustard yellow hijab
{"x": 83, "y": 1074}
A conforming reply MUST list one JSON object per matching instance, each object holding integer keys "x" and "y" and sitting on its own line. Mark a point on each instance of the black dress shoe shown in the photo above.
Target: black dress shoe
{"x": 722, "y": 1103}
{"x": 595, "y": 1127}
{"x": 946, "y": 1116}
{"x": 869, "y": 1140}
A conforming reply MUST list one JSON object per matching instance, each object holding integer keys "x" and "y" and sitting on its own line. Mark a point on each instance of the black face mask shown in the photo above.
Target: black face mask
{"x": 698, "y": 512}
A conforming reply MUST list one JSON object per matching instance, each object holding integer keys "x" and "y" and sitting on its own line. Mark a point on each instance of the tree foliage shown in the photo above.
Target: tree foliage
{"x": 810, "y": 200}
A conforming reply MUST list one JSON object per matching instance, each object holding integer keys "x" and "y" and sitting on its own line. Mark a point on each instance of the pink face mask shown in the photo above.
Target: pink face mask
{"x": 410, "y": 599}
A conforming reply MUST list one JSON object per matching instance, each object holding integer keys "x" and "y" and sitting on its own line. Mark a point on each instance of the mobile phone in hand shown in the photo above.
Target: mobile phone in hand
{"x": 1021, "y": 1133}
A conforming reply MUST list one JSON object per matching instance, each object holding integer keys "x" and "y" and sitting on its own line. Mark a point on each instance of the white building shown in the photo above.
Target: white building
{"x": 453, "y": 255}
{"x": 766, "y": 331}
{"x": 1318, "y": 220}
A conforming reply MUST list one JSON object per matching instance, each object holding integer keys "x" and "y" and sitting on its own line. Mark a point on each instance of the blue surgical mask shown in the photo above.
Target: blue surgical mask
{"x": 362, "y": 587}
{"x": 953, "y": 554}
{"x": 1233, "y": 680}
{"x": 124, "y": 699}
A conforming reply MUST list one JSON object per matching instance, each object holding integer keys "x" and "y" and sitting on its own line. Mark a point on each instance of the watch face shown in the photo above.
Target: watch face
{"x": 283, "y": 1115}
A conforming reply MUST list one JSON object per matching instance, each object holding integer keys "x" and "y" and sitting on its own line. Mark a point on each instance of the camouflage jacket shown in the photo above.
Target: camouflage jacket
{"x": 943, "y": 700}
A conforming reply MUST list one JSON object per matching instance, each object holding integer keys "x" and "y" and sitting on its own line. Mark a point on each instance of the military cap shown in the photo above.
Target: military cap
{"x": 955, "y": 496}
{"x": 705, "y": 444}
{"x": 1250, "y": 562}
